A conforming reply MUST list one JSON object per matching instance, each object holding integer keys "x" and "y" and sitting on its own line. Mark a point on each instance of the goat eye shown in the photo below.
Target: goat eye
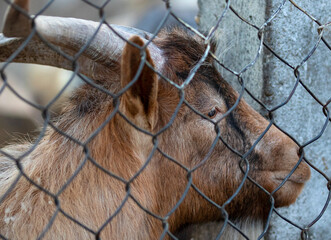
{"x": 212, "y": 113}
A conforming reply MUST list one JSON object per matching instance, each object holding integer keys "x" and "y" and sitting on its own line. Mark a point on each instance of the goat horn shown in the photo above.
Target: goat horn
{"x": 38, "y": 52}
{"x": 69, "y": 35}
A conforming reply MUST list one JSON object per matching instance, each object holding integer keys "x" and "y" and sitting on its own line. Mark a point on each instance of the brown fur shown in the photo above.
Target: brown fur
{"x": 93, "y": 195}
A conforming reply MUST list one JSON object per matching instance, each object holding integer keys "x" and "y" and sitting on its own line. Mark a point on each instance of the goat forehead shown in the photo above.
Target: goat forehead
{"x": 179, "y": 46}
{"x": 180, "y": 39}
{"x": 182, "y": 52}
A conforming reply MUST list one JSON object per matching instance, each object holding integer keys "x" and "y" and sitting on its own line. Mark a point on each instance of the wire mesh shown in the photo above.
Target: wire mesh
{"x": 90, "y": 161}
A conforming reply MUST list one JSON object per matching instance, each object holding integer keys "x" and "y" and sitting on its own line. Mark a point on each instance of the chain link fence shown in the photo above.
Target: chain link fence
{"x": 51, "y": 128}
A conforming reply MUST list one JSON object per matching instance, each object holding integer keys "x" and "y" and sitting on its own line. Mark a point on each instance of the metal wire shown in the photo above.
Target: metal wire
{"x": 244, "y": 163}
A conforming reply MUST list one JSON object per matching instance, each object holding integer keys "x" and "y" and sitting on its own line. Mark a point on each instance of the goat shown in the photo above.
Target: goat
{"x": 116, "y": 162}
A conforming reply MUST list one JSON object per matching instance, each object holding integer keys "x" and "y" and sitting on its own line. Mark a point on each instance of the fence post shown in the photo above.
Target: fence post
{"x": 292, "y": 35}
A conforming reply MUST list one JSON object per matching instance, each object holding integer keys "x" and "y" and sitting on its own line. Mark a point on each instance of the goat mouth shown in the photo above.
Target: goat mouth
{"x": 295, "y": 178}
{"x": 284, "y": 188}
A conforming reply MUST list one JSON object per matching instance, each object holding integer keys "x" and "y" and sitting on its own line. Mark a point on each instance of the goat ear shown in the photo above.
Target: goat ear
{"x": 141, "y": 97}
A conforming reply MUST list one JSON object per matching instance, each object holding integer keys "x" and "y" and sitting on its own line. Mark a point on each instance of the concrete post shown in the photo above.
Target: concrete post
{"x": 292, "y": 35}
{"x": 238, "y": 44}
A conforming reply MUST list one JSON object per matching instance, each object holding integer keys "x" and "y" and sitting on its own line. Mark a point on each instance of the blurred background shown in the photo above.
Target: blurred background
{"x": 40, "y": 84}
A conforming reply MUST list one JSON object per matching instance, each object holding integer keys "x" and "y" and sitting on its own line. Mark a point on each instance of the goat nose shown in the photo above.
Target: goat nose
{"x": 288, "y": 155}
{"x": 278, "y": 150}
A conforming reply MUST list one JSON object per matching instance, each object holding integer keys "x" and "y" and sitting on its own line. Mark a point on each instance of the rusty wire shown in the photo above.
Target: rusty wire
{"x": 244, "y": 164}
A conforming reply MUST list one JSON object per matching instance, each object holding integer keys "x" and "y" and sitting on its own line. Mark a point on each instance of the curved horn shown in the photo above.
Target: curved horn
{"x": 69, "y": 35}
{"x": 38, "y": 52}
